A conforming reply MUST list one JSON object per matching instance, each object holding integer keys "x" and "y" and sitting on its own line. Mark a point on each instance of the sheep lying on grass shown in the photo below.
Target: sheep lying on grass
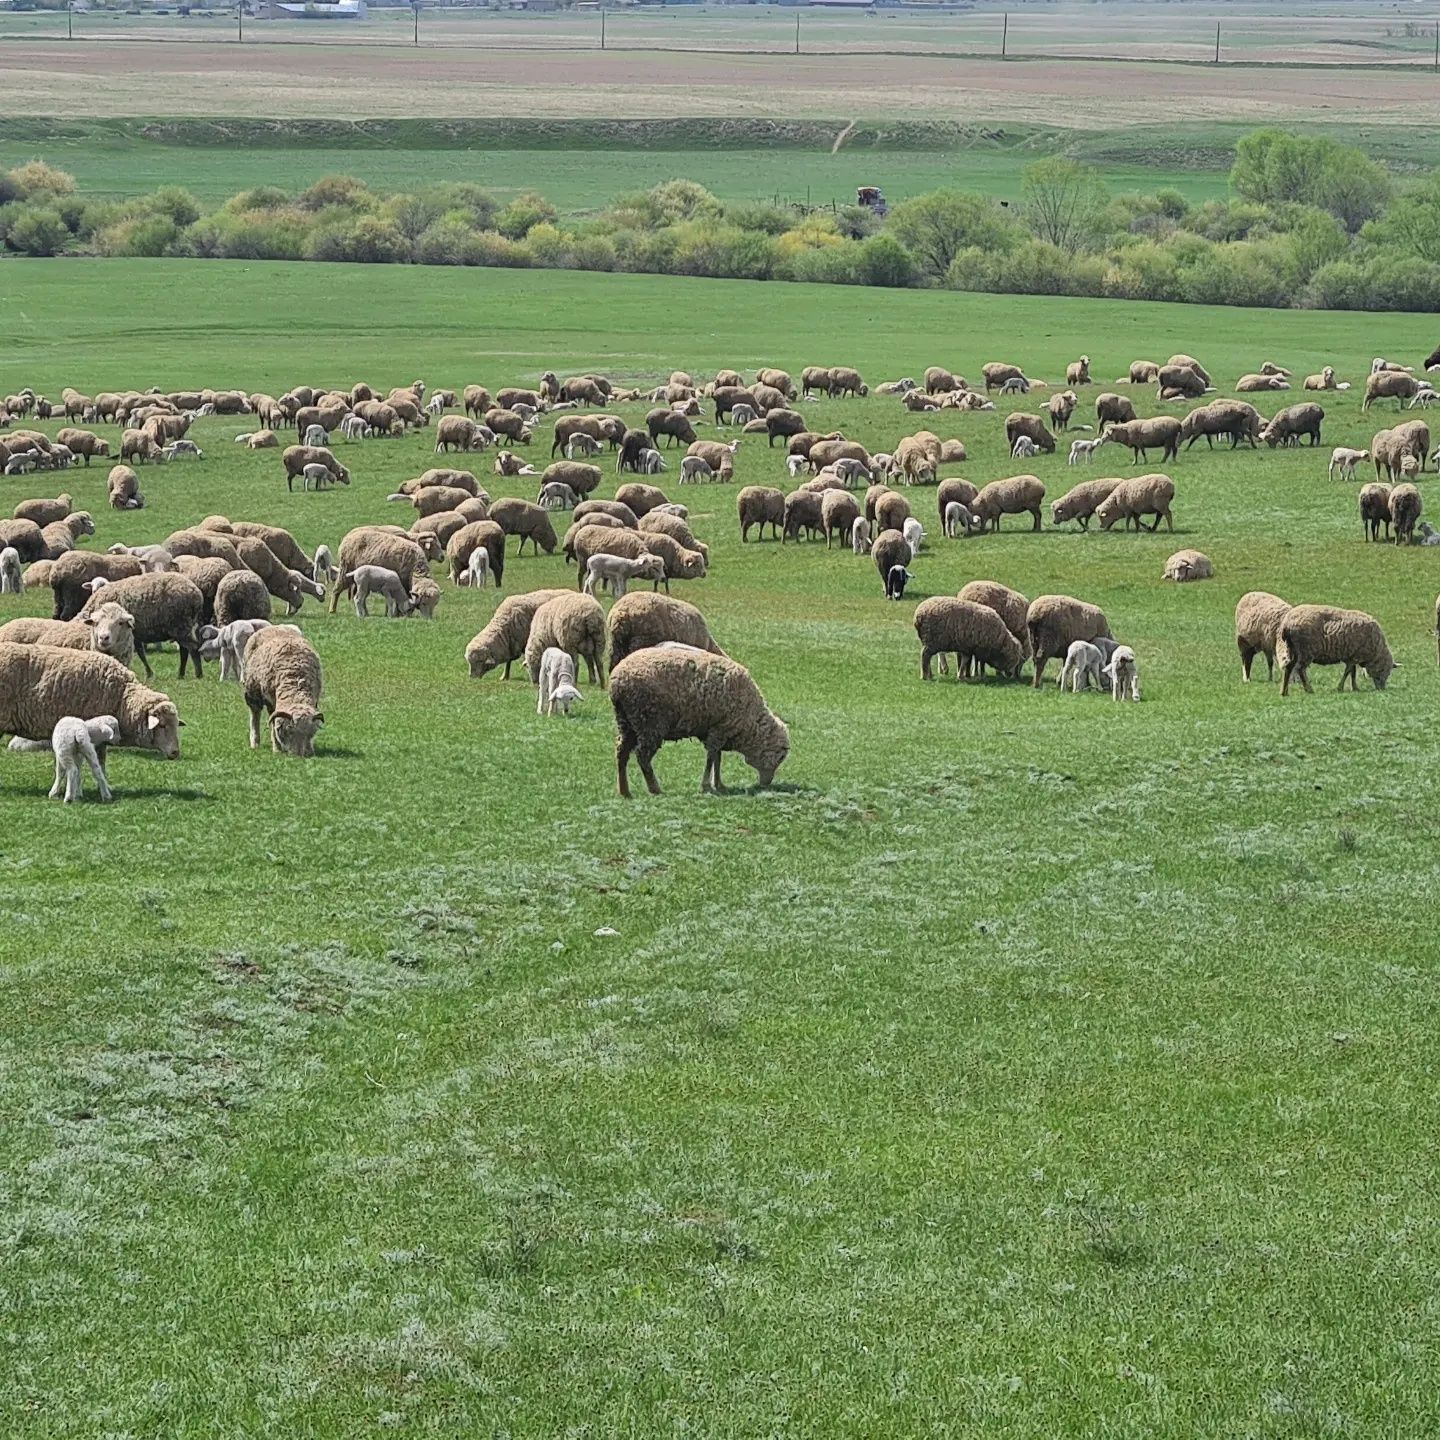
{"x": 1186, "y": 565}
{"x": 681, "y": 694}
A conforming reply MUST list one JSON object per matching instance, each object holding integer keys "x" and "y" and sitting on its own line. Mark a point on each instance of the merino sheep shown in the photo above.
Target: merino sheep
{"x": 163, "y": 606}
{"x": 1186, "y": 565}
{"x": 1082, "y": 502}
{"x": 123, "y": 489}
{"x": 957, "y": 521}
{"x": 642, "y": 620}
{"x": 241, "y": 595}
{"x": 1082, "y": 667}
{"x": 1375, "y": 510}
{"x": 890, "y": 552}
{"x": 73, "y": 572}
{"x": 502, "y": 642}
{"x": 1123, "y": 674}
{"x": 1258, "y": 615}
{"x": 760, "y": 505}
{"x": 1141, "y": 436}
{"x": 1287, "y": 426}
{"x": 295, "y": 458}
{"x": 1112, "y": 409}
{"x": 40, "y": 685}
{"x": 614, "y": 572}
{"x": 12, "y": 577}
{"x": 680, "y": 694}
{"x": 1344, "y": 460}
{"x": 1054, "y": 622}
{"x": 366, "y": 580}
{"x": 75, "y": 741}
{"x": 1324, "y": 635}
{"x": 1010, "y": 605}
{"x": 998, "y": 374}
{"x": 641, "y": 499}
{"x": 108, "y": 628}
{"x": 1136, "y": 497}
{"x": 574, "y": 624}
{"x": 804, "y": 510}
{"x": 1235, "y": 418}
{"x": 1405, "y": 508}
{"x": 1017, "y": 495}
{"x": 282, "y": 675}
{"x": 975, "y": 634}
{"x": 527, "y": 521}
{"x": 44, "y": 512}
{"x": 839, "y": 511}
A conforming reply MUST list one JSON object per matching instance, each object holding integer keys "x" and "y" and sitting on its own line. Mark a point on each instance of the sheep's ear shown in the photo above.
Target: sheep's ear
{"x": 152, "y": 722}
{"x": 87, "y": 619}
{"x": 280, "y": 715}
{"x": 319, "y": 718}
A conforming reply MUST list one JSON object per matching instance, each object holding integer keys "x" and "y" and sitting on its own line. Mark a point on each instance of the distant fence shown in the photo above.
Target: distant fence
{"x": 1122, "y": 32}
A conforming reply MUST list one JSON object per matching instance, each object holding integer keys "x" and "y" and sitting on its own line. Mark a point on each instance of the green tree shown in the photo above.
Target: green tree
{"x": 1273, "y": 166}
{"x": 936, "y": 228}
{"x": 38, "y": 231}
{"x": 1064, "y": 203}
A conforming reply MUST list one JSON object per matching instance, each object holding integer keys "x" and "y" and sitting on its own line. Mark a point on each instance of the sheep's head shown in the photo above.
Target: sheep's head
{"x": 160, "y": 729}
{"x": 112, "y": 630}
{"x": 767, "y": 750}
{"x": 293, "y": 731}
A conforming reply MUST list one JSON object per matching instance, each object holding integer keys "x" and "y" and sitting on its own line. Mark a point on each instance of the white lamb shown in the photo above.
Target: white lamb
{"x": 1345, "y": 460}
{"x": 367, "y": 580}
{"x": 477, "y": 569}
{"x": 795, "y": 464}
{"x": 556, "y": 668}
{"x": 860, "y": 536}
{"x": 324, "y": 568}
{"x": 316, "y": 435}
{"x": 1425, "y": 397}
{"x": 914, "y": 533}
{"x": 12, "y": 580}
{"x": 695, "y": 470}
{"x": 1083, "y": 450}
{"x": 1429, "y": 534}
{"x": 317, "y": 475}
{"x": 614, "y": 572}
{"x": 853, "y": 472}
{"x": 649, "y": 462}
{"x": 957, "y": 521}
{"x": 74, "y": 741}
{"x": 1083, "y": 667}
{"x": 742, "y": 414}
{"x": 1123, "y": 674}
{"x": 563, "y": 697}
{"x": 557, "y": 495}
{"x": 1023, "y": 448}
{"x": 352, "y": 427}
{"x": 581, "y": 447}
{"x": 233, "y": 639}
{"x": 176, "y": 448}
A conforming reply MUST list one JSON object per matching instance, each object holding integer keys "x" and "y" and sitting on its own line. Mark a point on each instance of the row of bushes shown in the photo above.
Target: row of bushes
{"x": 1310, "y": 224}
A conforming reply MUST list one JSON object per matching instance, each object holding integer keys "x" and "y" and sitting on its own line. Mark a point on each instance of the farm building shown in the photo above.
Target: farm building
{"x": 311, "y": 10}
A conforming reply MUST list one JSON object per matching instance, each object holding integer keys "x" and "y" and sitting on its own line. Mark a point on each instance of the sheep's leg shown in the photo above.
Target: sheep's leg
{"x": 60, "y": 778}
{"x": 145, "y": 661}
{"x": 254, "y": 727}
{"x": 646, "y": 768}
{"x": 1247, "y": 657}
{"x": 73, "y": 783}
{"x": 102, "y": 783}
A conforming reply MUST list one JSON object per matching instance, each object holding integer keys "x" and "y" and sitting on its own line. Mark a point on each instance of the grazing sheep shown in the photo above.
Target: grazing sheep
{"x": 1186, "y": 565}
{"x": 1082, "y": 502}
{"x": 557, "y": 671}
{"x": 1123, "y": 674}
{"x": 12, "y": 578}
{"x": 1405, "y": 508}
{"x": 642, "y": 620}
{"x": 1112, "y": 409}
{"x": 1345, "y": 460}
{"x": 1235, "y": 418}
{"x": 477, "y": 535}
{"x": 228, "y": 645}
{"x": 1054, "y": 622}
{"x": 670, "y": 423}
{"x": 1136, "y": 497}
{"x": 316, "y": 435}
{"x": 680, "y": 694}
{"x": 25, "y": 537}
{"x": 40, "y": 685}
{"x": 1324, "y": 635}
{"x": 1375, "y": 510}
{"x": 375, "y": 545}
{"x": 760, "y": 505}
{"x": 503, "y": 640}
{"x": 367, "y": 580}
{"x": 1287, "y": 426}
{"x": 839, "y": 511}
{"x": 998, "y": 375}
{"x": 295, "y": 458}
{"x": 123, "y": 489}
{"x": 581, "y": 446}
{"x": 74, "y": 571}
{"x": 1082, "y": 667}
{"x": 896, "y": 579}
{"x": 824, "y": 453}
{"x": 557, "y": 496}
{"x": 914, "y": 533}
{"x": 804, "y": 510}
{"x": 1010, "y": 605}
{"x": 975, "y": 634}
{"x": 613, "y": 509}
{"x": 1258, "y": 616}
{"x": 1018, "y": 495}
{"x": 572, "y": 623}
{"x": 641, "y": 499}
{"x": 163, "y": 606}
{"x": 890, "y": 552}
{"x": 283, "y": 675}
{"x": 888, "y": 511}
{"x": 694, "y": 470}
{"x": 527, "y": 521}
{"x": 957, "y": 521}
{"x": 75, "y": 741}
{"x": 616, "y": 571}
{"x": 1141, "y": 436}
{"x": 241, "y": 595}
{"x": 1032, "y": 427}
{"x": 1389, "y": 385}
{"x": 860, "y": 536}
{"x": 1189, "y": 362}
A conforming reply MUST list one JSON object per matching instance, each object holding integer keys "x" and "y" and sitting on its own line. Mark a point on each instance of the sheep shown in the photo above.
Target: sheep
{"x": 1185, "y": 565}
{"x": 997, "y": 374}
{"x": 670, "y": 423}
{"x": 1325, "y": 635}
{"x": 1082, "y": 667}
{"x": 641, "y": 498}
{"x": 108, "y": 628}
{"x": 1405, "y": 508}
{"x": 1053, "y": 622}
{"x": 1061, "y": 407}
{"x": 366, "y": 580}
{"x": 503, "y": 640}
{"x": 424, "y": 597}
{"x": 1112, "y": 409}
{"x": 557, "y": 670}
{"x": 678, "y": 694}
{"x": 1083, "y": 450}
{"x": 663, "y": 522}
{"x": 581, "y": 446}
{"x": 1235, "y": 418}
{"x": 44, "y": 512}
{"x": 12, "y": 579}
{"x": 824, "y": 453}
{"x": 75, "y": 570}
{"x": 228, "y": 645}
{"x": 295, "y": 458}
{"x": 1032, "y": 427}
{"x": 83, "y": 443}
{"x": 25, "y": 537}
{"x": 1286, "y": 426}
{"x": 375, "y": 545}
{"x": 1248, "y": 384}
{"x": 527, "y": 521}
{"x": 1390, "y": 448}
{"x": 461, "y": 546}
{"x": 1389, "y": 385}
{"x": 355, "y": 427}
{"x": 162, "y": 606}
{"x": 860, "y": 536}
{"x": 316, "y": 435}
{"x": 917, "y": 458}
{"x": 957, "y": 521}
{"x": 777, "y": 380}
{"x": 889, "y": 552}
{"x": 1325, "y": 380}
{"x": 1258, "y": 615}
{"x": 40, "y": 685}
{"x": 1024, "y": 448}
{"x": 574, "y": 624}
{"x": 889, "y": 511}
{"x": 615, "y": 571}
{"x": 1123, "y": 674}
{"x": 973, "y": 633}
{"x": 259, "y": 440}
{"x": 1345, "y": 460}
{"x": 838, "y": 513}
{"x": 123, "y": 489}
{"x": 241, "y": 595}
{"x": 282, "y": 674}
{"x": 1010, "y": 605}
{"x": 642, "y": 620}
{"x": 74, "y": 741}
{"x": 914, "y": 533}
{"x": 1136, "y": 497}
{"x": 695, "y": 470}
{"x": 681, "y": 562}
{"x": 1018, "y": 495}
{"x": 1189, "y": 362}
{"x": 1375, "y": 510}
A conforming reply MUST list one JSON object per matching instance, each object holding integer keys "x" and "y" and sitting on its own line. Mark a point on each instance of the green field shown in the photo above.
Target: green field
{"x": 1020, "y": 1066}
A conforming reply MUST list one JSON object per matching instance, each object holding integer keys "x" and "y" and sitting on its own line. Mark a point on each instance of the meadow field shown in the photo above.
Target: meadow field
{"x": 1019, "y": 1065}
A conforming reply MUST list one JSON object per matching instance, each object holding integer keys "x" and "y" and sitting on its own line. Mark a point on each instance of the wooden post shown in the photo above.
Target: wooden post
{"x": 70, "y": 22}
{"x": 1217, "y": 42}
{"x": 417, "y": 25}
{"x": 1437, "y": 44}
{"x": 240, "y": 21}
{"x": 602, "y": 27}
{"x": 797, "y": 29}
{"x": 1005, "y": 36}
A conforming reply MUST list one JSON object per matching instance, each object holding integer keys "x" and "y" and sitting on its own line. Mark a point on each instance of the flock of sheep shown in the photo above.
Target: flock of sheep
{"x": 66, "y": 683}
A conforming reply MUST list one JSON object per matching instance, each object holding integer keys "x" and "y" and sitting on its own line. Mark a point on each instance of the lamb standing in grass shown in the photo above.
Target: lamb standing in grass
{"x": 75, "y": 741}
{"x": 556, "y": 669}
{"x": 614, "y": 572}
{"x": 12, "y": 580}
{"x": 368, "y": 580}
{"x": 681, "y": 694}
{"x": 1082, "y": 667}
{"x": 1123, "y": 674}
{"x": 1344, "y": 460}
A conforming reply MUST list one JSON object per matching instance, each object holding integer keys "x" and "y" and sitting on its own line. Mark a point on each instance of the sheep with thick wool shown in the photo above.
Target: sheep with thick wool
{"x": 1055, "y": 622}
{"x": 282, "y": 674}
{"x": 1136, "y": 497}
{"x": 1258, "y": 616}
{"x": 973, "y": 633}
{"x": 503, "y": 640}
{"x": 641, "y": 620}
{"x": 574, "y": 624}
{"x": 1017, "y": 495}
{"x": 1325, "y": 635}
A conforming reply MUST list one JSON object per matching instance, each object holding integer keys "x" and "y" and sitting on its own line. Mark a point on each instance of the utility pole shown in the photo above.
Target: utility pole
{"x": 240, "y": 21}
{"x": 1437, "y": 44}
{"x": 70, "y": 22}
{"x": 797, "y": 30}
{"x": 417, "y": 25}
{"x": 1005, "y": 35}
{"x": 602, "y": 27}
{"x": 1217, "y": 42}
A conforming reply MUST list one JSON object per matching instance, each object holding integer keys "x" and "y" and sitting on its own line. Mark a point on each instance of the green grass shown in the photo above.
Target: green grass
{"x": 1021, "y": 1066}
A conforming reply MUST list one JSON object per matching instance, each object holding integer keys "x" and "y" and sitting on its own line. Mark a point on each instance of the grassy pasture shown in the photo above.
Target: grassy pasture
{"x": 1021, "y": 1065}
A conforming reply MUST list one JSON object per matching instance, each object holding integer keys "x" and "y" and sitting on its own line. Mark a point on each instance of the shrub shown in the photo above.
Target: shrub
{"x": 367, "y": 240}
{"x": 344, "y": 191}
{"x": 834, "y": 265}
{"x": 37, "y": 180}
{"x": 936, "y": 228}
{"x": 140, "y": 236}
{"x": 37, "y": 230}
{"x": 768, "y": 219}
{"x": 883, "y": 260}
{"x": 522, "y": 214}
{"x": 678, "y": 200}
{"x": 179, "y": 204}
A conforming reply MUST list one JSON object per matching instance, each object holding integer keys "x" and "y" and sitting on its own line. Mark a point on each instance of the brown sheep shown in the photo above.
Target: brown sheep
{"x": 377, "y": 545}
{"x": 568, "y": 425}
{"x": 760, "y": 505}
{"x": 1405, "y": 509}
{"x": 1055, "y": 622}
{"x": 1375, "y": 510}
{"x": 83, "y": 443}
{"x": 670, "y": 423}
{"x": 1017, "y": 495}
{"x": 845, "y": 381}
{"x": 1141, "y": 436}
{"x": 783, "y": 424}
{"x": 997, "y": 372}
{"x": 478, "y": 534}
{"x": 954, "y": 489}
{"x": 1112, "y": 409}
{"x": 1010, "y": 605}
{"x": 529, "y": 521}
{"x": 1292, "y": 423}
{"x": 804, "y": 510}
{"x": 1136, "y": 497}
{"x": 509, "y": 427}
{"x": 1032, "y": 427}
{"x": 1082, "y": 502}
{"x": 296, "y": 457}
{"x": 641, "y": 499}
